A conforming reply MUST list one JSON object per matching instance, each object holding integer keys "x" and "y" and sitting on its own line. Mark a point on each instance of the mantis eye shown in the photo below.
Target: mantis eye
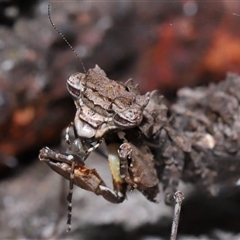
{"x": 74, "y": 85}
{"x": 128, "y": 118}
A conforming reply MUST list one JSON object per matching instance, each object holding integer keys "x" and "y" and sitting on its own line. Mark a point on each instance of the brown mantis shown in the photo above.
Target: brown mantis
{"x": 130, "y": 124}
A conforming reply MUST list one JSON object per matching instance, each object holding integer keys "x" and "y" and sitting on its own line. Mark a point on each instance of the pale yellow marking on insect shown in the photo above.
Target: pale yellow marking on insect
{"x": 114, "y": 161}
{"x": 121, "y": 135}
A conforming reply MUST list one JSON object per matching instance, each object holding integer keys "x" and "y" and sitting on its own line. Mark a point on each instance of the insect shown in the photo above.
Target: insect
{"x": 106, "y": 110}
{"x": 129, "y": 123}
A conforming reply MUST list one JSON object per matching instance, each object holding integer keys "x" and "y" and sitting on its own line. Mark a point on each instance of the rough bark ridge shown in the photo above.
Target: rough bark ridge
{"x": 202, "y": 141}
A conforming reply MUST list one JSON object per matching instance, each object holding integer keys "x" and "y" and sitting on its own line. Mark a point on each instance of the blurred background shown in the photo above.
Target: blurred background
{"x": 162, "y": 45}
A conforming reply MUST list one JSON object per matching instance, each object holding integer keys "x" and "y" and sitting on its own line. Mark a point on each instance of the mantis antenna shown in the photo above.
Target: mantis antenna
{"x": 62, "y": 36}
